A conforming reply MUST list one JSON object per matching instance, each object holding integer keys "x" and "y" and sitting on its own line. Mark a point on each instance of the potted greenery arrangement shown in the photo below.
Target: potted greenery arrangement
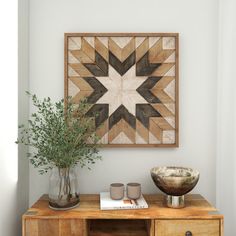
{"x": 60, "y": 136}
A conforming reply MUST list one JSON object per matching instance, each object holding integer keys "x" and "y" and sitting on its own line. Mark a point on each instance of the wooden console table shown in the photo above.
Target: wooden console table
{"x": 198, "y": 218}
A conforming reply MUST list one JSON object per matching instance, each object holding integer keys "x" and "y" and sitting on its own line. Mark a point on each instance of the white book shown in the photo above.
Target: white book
{"x": 106, "y": 203}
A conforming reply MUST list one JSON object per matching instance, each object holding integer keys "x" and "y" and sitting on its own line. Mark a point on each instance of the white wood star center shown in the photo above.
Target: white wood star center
{"x": 122, "y": 90}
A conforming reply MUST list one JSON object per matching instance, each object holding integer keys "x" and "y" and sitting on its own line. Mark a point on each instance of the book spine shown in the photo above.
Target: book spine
{"x": 123, "y": 208}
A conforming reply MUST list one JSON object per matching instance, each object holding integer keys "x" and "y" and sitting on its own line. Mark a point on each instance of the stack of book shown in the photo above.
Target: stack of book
{"x": 106, "y": 203}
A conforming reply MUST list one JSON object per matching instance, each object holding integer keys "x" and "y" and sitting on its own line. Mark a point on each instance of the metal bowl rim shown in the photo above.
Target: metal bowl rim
{"x": 193, "y": 171}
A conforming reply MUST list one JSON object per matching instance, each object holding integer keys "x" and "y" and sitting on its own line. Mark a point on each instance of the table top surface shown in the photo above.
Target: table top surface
{"x": 89, "y": 208}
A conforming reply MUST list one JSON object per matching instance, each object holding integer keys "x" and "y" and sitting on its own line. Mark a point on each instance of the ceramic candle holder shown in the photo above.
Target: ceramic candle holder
{"x": 117, "y": 191}
{"x": 133, "y": 190}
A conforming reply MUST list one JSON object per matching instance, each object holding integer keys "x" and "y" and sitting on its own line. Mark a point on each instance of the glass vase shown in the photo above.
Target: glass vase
{"x": 63, "y": 188}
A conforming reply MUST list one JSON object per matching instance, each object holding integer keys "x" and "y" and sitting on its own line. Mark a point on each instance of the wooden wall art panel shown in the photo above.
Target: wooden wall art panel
{"x": 131, "y": 82}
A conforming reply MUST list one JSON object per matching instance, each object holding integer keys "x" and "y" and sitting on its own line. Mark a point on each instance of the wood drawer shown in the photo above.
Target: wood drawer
{"x": 180, "y": 227}
{"x": 55, "y": 227}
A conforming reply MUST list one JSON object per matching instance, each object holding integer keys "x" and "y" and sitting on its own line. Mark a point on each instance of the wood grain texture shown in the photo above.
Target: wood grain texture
{"x": 80, "y": 69}
{"x": 129, "y": 49}
{"x": 180, "y": 227}
{"x": 221, "y": 227}
{"x": 48, "y": 227}
{"x": 89, "y": 208}
{"x": 163, "y": 69}
{"x": 150, "y": 227}
{"x": 88, "y": 49}
{"x": 101, "y": 48}
{"x": 155, "y": 130}
{"x": 118, "y": 228}
{"x": 142, "y": 131}
{"x": 120, "y": 34}
{"x": 55, "y": 227}
{"x": 31, "y": 228}
{"x": 142, "y": 49}
{"x": 87, "y": 219}
{"x": 122, "y": 126}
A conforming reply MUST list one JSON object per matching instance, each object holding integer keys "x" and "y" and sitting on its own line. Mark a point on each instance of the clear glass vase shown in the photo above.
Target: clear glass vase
{"x": 63, "y": 188}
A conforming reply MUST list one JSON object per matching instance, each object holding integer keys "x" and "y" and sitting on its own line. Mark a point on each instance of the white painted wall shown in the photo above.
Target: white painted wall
{"x": 13, "y": 174}
{"x": 196, "y": 21}
{"x": 23, "y": 107}
{"x": 226, "y": 104}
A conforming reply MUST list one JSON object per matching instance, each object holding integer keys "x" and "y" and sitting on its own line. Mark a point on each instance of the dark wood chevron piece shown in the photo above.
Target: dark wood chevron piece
{"x": 145, "y": 89}
{"x": 99, "y": 89}
{"x": 144, "y": 112}
{"x": 144, "y": 67}
{"x": 100, "y": 67}
{"x": 122, "y": 67}
{"x": 100, "y": 112}
{"x": 122, "y": 113}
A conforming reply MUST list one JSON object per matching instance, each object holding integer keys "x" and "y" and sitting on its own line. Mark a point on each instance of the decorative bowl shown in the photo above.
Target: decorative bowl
{"x": 175, "y": 182}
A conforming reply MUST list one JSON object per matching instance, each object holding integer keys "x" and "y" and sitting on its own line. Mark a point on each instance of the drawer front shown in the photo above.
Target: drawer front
{"x": 54, "y": 227}
{"x": 187, "y": 228}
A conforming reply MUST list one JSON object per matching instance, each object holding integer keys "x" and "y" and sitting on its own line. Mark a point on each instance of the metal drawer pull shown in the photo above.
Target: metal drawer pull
{"x": 188, "y": 233}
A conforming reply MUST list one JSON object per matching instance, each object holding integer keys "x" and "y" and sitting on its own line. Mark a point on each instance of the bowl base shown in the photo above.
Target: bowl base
{"x": 175, "y": 201}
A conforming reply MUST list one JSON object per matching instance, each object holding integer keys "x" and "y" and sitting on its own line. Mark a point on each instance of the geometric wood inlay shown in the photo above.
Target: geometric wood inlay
{"x": 131, "y": 82}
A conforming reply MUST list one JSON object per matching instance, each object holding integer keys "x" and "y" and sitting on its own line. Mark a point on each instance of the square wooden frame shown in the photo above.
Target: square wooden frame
{"x": 176, "y": 78}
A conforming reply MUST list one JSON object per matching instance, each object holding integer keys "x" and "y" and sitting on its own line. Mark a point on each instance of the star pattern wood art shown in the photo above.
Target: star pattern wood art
{"x": 131, "y": 82}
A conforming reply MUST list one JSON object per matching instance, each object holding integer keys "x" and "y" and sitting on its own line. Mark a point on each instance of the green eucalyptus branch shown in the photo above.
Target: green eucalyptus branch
{"x": 60, "y": 135}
